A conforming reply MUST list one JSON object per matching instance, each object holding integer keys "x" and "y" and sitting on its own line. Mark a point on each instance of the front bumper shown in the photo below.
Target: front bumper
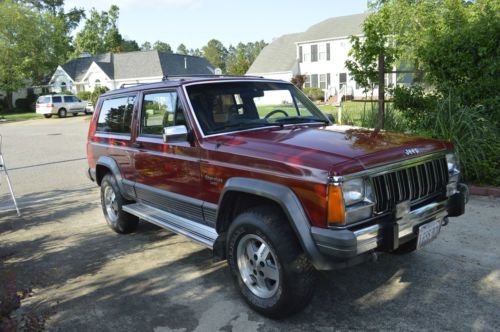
{"x": 343, "y": 245}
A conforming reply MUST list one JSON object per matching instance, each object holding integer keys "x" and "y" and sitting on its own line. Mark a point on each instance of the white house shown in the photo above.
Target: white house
{"x": 114, "y": 70}
{"x": 319, "y": 53}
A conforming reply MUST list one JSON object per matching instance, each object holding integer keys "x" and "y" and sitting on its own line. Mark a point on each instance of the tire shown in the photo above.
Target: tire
{"x": 280, "y": 282}
{"x": 406, "y": 248}
{"x": 75, "y": 114}
{"x": 47, "y": 116}
{"x": 87, "y": 112}
{"x": 112, "y": 202}
{"x": 62, "y": 113}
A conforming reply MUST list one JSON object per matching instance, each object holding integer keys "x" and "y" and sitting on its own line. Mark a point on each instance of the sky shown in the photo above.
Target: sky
{"x": 195, "y": 22}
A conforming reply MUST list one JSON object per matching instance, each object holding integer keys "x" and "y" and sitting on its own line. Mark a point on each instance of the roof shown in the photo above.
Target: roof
{"x": 131, "y": 65}
{"x": 281, "y": 54}
{"x": 278, "y": 56}
{"x": 335, "y": 27}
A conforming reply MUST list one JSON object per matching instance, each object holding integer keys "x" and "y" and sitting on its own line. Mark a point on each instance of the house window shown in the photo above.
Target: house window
{"x": 97, "y": 83}
{"x": 322, "y": 81}
{"x": 307, "y": 83}
{"x": 63, "y": 86}
{"x": 314, "y": 81}
{"x": 328, "y": 53}
{"x": 300, "y": 53}
{"x": 342, "y": 80}
{"x": 307, "y": 57}
{"x": 314, "y": 53}
{"x": 328, "y": 80}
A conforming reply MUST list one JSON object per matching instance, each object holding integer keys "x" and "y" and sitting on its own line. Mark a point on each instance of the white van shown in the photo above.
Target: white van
{"x": 60, "y": 105}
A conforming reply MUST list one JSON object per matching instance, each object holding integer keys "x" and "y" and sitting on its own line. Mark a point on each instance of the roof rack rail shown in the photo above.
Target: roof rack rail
{"x": 166, "y": 77}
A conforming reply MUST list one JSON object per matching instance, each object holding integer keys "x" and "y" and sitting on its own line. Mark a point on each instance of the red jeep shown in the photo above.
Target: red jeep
{"x": 252, "y": 169}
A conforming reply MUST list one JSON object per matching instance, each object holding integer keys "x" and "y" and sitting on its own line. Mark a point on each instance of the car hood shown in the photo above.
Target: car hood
{"x": 336, "y": 149}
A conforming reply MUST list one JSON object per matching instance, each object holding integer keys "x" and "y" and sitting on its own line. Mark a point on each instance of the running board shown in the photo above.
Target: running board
{"x": 197, "y": 232}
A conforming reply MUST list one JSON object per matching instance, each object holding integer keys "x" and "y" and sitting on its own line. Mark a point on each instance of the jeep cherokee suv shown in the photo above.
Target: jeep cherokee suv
{"x": 252, "y": 169}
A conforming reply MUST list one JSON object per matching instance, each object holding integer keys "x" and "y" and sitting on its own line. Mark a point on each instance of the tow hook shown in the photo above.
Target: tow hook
{"x": 445, "y": 221}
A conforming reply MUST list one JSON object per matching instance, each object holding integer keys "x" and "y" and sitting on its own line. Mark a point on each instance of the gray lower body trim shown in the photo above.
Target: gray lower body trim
{"x": 197, "y": 232}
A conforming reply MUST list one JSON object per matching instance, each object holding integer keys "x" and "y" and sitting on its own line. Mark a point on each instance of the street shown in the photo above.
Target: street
{"x": 153, "y": 280}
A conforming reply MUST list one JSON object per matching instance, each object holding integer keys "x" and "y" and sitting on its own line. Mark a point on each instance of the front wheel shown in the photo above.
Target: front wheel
{"x": 265, "y": 257}
{"x": 112, "y": 202}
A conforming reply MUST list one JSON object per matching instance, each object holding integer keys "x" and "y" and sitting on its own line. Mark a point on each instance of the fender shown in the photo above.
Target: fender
{"x": 126, "y": 187}
{"x": 290, "y": 204}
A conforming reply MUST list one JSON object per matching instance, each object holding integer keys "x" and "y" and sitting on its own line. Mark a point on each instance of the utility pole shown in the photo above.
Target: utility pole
{"x": 381, "y": 91}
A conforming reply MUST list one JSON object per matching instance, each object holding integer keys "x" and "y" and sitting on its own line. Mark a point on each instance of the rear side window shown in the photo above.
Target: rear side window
{"x": 56, "y": 100}
{"x": 43, "y": 100}
{"x": 70, "y": 99}
{"x": 116, "y": 115}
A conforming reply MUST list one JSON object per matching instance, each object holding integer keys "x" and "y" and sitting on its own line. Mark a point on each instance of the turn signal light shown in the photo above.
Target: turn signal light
{"x": 336, "y": 211}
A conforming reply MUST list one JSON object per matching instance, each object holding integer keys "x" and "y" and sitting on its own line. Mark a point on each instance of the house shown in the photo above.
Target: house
{"x": 320, "y": 54}
{"x": 114, "y": 70}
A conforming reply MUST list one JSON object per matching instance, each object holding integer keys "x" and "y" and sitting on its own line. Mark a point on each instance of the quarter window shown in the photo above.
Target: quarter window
{"x": 161, "y": 110}
{"x": 116, "y": 115}
{"x": 56, "y": 100}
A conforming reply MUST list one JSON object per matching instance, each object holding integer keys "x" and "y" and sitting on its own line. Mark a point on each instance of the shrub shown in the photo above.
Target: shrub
{"x": 23, "y": 104}
{"x": 416, "y": 107}
{"x": 314, "y": 93}
{"x": 84, "y": 95}
{"x": 96, "y": 93}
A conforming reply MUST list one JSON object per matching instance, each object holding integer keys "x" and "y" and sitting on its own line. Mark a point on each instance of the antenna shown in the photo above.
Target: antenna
{"x": 3, "y": 168}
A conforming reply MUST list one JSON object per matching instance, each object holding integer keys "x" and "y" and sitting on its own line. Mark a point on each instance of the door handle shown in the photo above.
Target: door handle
{"x": 137, "y": 145}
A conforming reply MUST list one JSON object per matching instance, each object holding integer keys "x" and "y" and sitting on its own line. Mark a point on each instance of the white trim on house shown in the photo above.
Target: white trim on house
{"x": 60, "y": 68}
{"x": 324, "y": 40}
{"x": 91, "y": 70}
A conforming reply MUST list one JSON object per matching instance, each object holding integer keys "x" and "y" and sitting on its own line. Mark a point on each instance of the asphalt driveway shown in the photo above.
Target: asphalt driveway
{"x": 152, "y": 280}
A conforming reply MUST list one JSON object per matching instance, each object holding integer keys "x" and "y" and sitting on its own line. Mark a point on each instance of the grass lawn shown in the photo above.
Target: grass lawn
{"x": 19, "y": 116}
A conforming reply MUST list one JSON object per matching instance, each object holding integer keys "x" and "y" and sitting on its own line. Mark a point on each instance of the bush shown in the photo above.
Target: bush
{"x": 23, "y": 104}
{"x": 416, "y": 107}
{"x": 314, "y": 93}
{"x": 84, "y": 95}
{"x": 96, "y": 93}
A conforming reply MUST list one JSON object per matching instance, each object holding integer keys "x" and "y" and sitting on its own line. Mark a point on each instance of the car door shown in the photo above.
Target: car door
{"x": 167, "y": 174}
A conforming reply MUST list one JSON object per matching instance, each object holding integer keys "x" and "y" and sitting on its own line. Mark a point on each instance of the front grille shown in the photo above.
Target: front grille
{"x": 409, "y": 184}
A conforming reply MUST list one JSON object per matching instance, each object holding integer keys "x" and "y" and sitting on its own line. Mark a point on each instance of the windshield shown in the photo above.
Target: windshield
{"x": 232, "y": 106}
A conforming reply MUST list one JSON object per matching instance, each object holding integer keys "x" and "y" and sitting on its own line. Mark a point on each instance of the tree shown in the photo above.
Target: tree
{"x": 195, "y": 52}
{"x": 216, "y": 54}
{"x": 162, "y": 47}
{"x": 129, "y": 46}
{"x": 241, "y": 57}
{"x": 182, "y": 49}
{"x": 100, "y": 33}
{"x": 146, "y": 46}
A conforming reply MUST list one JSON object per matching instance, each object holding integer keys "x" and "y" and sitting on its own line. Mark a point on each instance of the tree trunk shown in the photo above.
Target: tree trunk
{"x": 381, "y": 91}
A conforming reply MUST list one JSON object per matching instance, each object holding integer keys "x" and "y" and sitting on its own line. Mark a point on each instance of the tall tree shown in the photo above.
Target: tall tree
{"x": 146, "y": 46}
{"x": 182, "y": 49}
{"x": 129, "y": 46}
{"x": 100, "y": 33}
{"x": 162, "y": 47}
{"x": 216, "y": 54}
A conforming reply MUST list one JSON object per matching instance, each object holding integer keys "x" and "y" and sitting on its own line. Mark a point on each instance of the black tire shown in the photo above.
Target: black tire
{"x": 406, "y": 248}
{"x": 87, "y": 112}
{"x": 296, "y": 274}
{"x": 75, "y": 114}
{"x": 118, "y": 220}
{"x": 47, "y": 116}
{"x": 62, "y": 113}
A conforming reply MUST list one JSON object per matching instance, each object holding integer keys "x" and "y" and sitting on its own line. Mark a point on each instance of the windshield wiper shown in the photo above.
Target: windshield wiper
{"x": 296, "y": 119}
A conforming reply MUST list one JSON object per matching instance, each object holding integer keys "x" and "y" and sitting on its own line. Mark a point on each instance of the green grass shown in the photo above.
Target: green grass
{"x": 19, "y": 116}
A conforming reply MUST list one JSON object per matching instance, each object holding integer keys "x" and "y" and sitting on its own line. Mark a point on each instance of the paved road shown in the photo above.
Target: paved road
{"x": 156, "y": 281}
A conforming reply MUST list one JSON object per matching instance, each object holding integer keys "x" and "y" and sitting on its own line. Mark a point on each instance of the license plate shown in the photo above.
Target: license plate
{"x": 428, "y": 232}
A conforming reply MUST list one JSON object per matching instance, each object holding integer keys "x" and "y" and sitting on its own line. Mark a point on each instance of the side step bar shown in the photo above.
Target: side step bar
{"x": 197, "y": 232}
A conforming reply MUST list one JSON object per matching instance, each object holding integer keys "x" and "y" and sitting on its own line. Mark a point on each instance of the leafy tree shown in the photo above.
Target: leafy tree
{"x": 182, "y": 49}
{"x": 238, "y": 59}
{"x": 146, "y": 46}
{"x": 100, "y": 33}
{"x": 129, "y": 46}
{"x": 162, "y": 47}
{"x": 216, "y": 54}
{"x": 195, "y": 52}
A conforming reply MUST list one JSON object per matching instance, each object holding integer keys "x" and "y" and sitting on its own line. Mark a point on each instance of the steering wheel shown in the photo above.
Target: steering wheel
{"x": 274, "y": 112}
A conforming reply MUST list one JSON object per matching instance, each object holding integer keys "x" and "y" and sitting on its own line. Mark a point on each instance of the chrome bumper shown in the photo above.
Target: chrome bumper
{"x": 370, "y": 238}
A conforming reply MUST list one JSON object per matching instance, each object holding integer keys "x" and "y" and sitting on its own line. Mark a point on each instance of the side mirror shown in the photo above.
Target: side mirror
{"x": 175, "y": 134}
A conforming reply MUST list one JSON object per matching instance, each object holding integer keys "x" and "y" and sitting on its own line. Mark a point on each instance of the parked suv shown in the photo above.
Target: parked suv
{"x": 253, "y": 170}
{"x": 61, "y": 105}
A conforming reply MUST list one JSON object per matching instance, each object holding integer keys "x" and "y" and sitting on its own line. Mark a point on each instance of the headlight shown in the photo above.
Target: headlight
{"x": 452, "y": 161}
{"x": 354, "y": 191}
{"x": 350, "y": 202}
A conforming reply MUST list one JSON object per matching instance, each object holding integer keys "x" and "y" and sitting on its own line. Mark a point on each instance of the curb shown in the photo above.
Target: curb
{"x": 485, "y": 191}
